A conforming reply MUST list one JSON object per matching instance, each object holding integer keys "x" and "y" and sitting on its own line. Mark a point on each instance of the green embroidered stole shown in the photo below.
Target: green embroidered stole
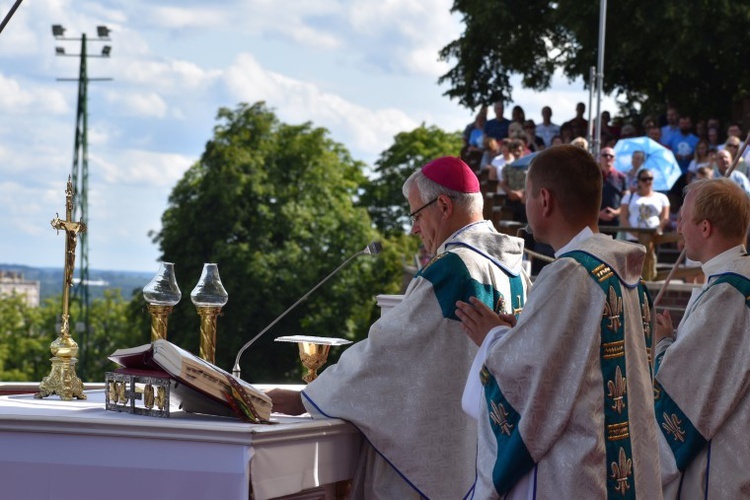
{"x": 620, "y": 474}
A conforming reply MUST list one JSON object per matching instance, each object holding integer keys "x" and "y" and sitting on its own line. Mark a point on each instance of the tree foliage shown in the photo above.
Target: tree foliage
{"x": 690, "y": 53}
{"x": 27, "y": 333}
{"x": 410, "y": 150}
{"x": 272, "y": 204}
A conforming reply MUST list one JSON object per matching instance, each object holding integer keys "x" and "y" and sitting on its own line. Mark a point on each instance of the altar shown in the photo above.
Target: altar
{"x": 53, "y": 449}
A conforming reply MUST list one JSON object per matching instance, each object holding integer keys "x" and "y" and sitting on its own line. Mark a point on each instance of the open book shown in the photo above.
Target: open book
{"x": 199, "y": 386}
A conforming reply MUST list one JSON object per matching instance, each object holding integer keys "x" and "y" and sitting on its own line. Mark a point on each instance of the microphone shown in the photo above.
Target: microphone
{"x": 373, "y": 248}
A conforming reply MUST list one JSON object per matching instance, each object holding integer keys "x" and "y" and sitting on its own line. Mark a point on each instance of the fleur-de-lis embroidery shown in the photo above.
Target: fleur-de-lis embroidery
{"x": 500, "y": 417}
{"x": 617, "y": 390}
{"x": 621, "y": 470}
{"x": 671, "y": 424}
{"x": 613, "y": 309}
{"x": 646, "y": 315}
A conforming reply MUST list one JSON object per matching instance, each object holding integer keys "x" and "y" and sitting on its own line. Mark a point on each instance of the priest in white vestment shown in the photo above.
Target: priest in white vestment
{"x": 703, "y": 371}
{"x": 563, "y": 395}
{"x": 402, "y": 385}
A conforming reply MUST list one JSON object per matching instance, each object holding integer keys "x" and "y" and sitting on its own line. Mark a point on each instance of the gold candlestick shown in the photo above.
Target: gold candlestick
{"x": 209, "y": 296}
{"x": 208, "y": 332}
{"x": 159, "y": 318}
{"x": 62, "y": 379}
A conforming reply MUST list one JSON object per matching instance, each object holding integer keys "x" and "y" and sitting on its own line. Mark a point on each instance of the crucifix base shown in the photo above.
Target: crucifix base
{"x": 62, "y": 381}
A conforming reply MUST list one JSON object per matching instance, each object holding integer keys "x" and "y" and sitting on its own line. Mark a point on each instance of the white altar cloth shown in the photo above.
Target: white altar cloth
{"x": 52, "y": 449}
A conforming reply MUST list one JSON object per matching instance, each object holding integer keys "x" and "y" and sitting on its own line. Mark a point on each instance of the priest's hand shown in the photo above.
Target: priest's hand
{"x": 286, "y": 401}
{"x": 663, "y": 327}
{"x": 477, "y": 319}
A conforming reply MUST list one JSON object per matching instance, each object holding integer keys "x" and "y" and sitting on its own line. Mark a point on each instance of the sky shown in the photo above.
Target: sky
{"x": 363, "y": 69}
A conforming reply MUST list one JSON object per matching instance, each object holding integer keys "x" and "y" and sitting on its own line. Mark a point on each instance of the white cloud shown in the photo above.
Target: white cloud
{"x": 18, "y": 98}
{"x": 358, "y": 127}
{"x": 139, "y": 104}
{"x": 144, "y": 168}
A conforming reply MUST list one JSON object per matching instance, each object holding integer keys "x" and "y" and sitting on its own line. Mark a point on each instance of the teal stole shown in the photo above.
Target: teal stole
{"x": 620, "y": 474}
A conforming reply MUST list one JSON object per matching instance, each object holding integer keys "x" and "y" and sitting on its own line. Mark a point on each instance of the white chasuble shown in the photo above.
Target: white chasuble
{"x": 402, "y": 385}
{"x": 568, "y": 400}
{"x": 703, "y": 391}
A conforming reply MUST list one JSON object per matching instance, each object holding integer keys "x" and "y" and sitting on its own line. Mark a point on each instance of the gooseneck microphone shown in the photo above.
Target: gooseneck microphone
{"x": 373, "y": 248}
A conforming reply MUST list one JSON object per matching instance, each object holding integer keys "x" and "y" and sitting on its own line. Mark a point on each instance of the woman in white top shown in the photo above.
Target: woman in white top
{"x": 644, "y": 207}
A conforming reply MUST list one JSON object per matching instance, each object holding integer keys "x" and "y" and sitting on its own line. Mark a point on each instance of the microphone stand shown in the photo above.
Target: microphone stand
{"x": 371, "y": 249}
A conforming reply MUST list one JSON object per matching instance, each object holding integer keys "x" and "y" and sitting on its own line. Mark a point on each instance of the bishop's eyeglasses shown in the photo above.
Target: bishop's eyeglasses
{"x": 414, "y": 216}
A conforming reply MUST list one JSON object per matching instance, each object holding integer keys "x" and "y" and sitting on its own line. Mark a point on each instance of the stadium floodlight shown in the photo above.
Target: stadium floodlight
{"x": 58, "y": 31}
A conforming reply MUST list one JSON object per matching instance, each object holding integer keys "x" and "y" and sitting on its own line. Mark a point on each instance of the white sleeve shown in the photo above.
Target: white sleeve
{"x": 473, "y": 391}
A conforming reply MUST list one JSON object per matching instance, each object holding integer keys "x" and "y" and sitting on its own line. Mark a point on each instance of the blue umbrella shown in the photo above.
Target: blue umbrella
{"x": 659, "y": 160}
{"x": 523, "y": 161}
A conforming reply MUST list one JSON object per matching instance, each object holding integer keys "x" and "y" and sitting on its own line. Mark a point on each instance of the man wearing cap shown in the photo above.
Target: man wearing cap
{"x": 402, "y": 385}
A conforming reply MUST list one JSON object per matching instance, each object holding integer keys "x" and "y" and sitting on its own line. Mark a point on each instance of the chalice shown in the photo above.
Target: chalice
{"x": 313, "y": 351}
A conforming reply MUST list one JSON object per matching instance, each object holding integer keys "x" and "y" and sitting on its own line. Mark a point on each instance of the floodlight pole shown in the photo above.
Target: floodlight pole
{"x": 80, "y": 177}
{"x": 600, "y": 77}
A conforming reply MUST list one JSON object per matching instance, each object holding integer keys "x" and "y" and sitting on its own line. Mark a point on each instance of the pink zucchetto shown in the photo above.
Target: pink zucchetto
{"x": 452, "y": 173}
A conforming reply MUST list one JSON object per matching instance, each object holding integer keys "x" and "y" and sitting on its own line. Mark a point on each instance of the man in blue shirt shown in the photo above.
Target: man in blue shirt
{"x": 683, "y": 143}
{"x": 497, "y": 128}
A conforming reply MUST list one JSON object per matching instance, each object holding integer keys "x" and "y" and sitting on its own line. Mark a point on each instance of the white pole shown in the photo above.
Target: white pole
{"x": 592, "y": 89}
{"x": 600, "y": 75}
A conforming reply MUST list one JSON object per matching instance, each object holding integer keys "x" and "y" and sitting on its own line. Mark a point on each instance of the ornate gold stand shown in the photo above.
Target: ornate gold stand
{"x": 159, "y": 317}
{"x": 62, "y": 379}
{"x": 208, "y": 332}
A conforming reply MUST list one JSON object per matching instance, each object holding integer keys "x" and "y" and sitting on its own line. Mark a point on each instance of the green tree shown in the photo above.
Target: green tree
{"x": 111, "y": 329}
{"x": 272, "y": 204}
{"x": 25, "y": 337}
{"x": 28, "y": 332}
{"x": 410, "y": 150}
{"x": 688, "y": 52}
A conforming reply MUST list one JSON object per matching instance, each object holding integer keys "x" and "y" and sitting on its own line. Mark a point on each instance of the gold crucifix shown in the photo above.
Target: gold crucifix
{"x": 62, "y": 379}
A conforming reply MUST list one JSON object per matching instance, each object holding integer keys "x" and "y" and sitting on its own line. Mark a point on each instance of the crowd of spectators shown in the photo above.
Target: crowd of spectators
{"x": 495, "y": 145}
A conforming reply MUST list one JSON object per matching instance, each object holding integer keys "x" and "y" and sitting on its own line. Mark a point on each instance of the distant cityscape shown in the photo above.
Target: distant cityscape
{"x": 40, "y": 283}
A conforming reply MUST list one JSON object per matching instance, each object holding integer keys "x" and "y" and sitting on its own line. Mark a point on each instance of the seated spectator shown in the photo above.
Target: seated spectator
{"x": 517, "y": 115}
{"x": 733, "y": 146}
{"x": 644, "y": 207}
{"x": 701, "y": 158}
{"x": 497, "y": 128}
{"x": 499, "y": 161}
{"x": 627, "y": 131}
{"x": 533, "y": 141}
{"x": 637, "y": 159}
{"x": 704, "y": 172}
{"x": 581, "y": 142}
{"x": 723, "y": 162}
{"x": 566, "y": 133}
{"x": 473, "y": 137}
{"x": 547, "y": 130}
{"x": 491, "y": 150}
{"x": 514, "y": 184}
